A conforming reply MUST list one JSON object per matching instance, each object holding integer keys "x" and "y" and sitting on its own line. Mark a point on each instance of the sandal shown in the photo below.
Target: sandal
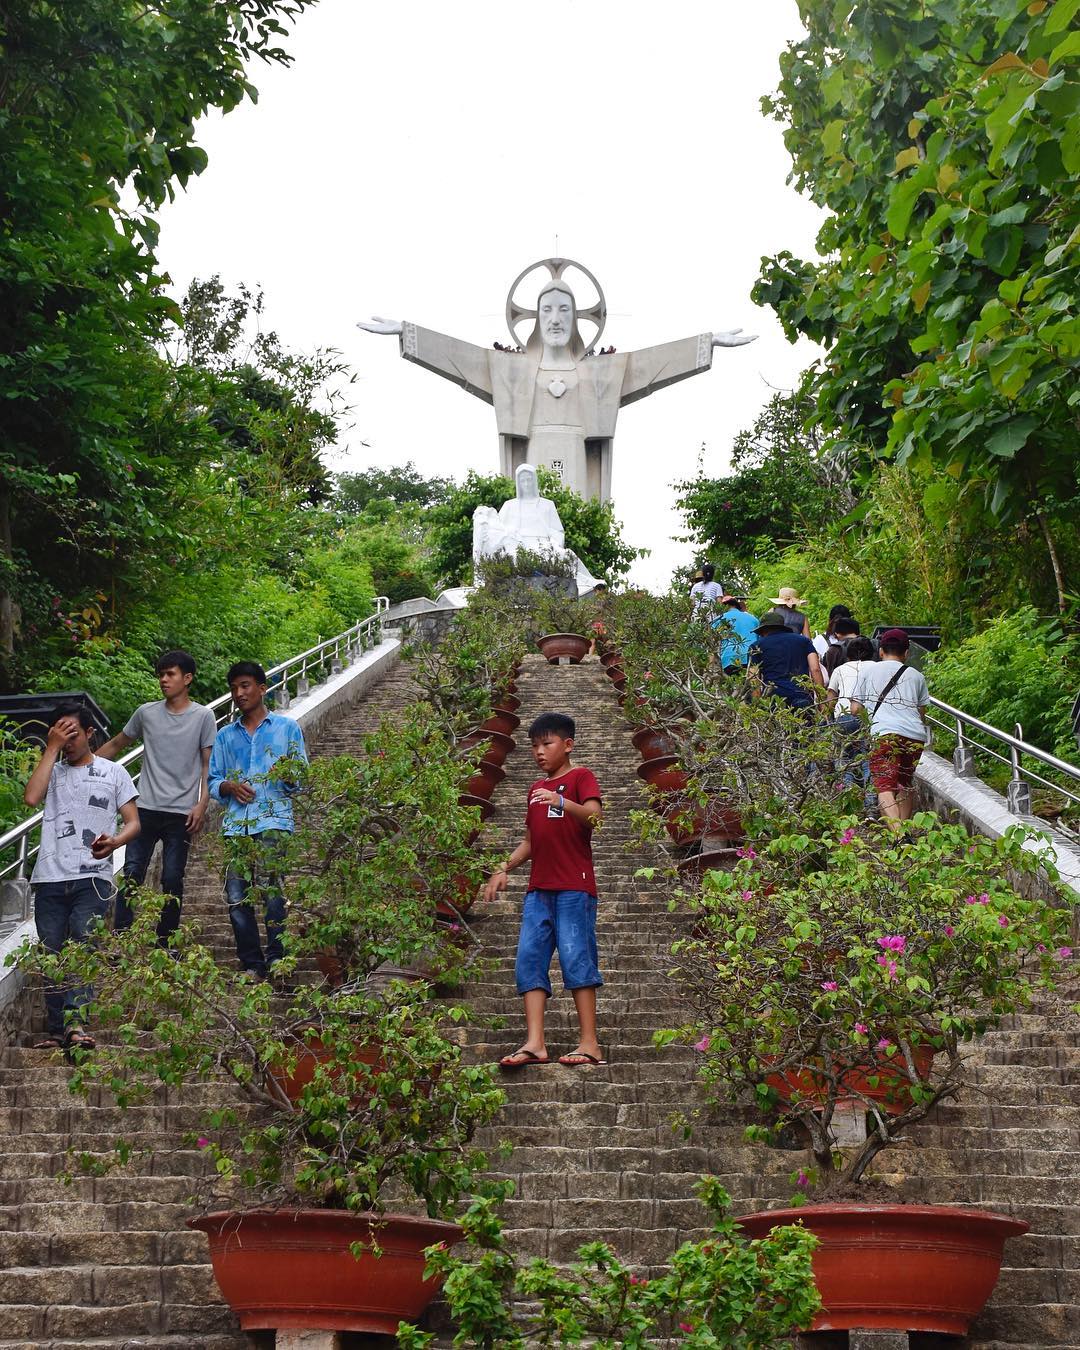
{"x": 79, "y": 1040}
{"x": 48, "y": 1043}
{"x": 527, "y": 1061}
{"x": 579, "y": 1059}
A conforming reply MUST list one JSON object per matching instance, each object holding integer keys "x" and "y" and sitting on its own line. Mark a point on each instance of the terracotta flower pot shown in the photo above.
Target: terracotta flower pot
{"x": 464, "y": 894}
{"x": 615, "y": 673}
{"x": 611, "y": 657}
{"x": 293, "y": 1269}
{"x": 892, "y": 1091}
{"x": 662, "y": 773}
{"x": 506, "y": 722}
{"x": 507, "y": 703}
{"x": 899, "y": 1267}
{"x": 651, "y": 742}
{"x": 486, "y": 808}
{"x": 693, "y": 868}
{"x": 315, "y": 1053}
{"x": 330, "y": 967}
{"x": 496, "y": 745}
{"x": 485, "y": 779}
{"x": 571, "y": 646}
{"x": 718, "y": 822}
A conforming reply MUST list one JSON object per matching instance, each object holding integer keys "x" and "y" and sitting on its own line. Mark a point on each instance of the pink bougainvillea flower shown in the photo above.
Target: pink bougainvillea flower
{"x": 685, "y": 1326}
{"x": 746, "y": 852}
{"x": 949, "y": 930}
{"x": 1041, "y": 947}
{"x": 847, "y": 836}
{"x": 895, "y": 943}
{"x": 970, "y": 900}
{"x": 647, "y": 675}
{"x": 702, "y": 1045}
{"x": 202, "y": 1142}
{"x": 748, "y": 895}
{"x": 1064, "y": 953}
{"x": 802, "y": 1179}
{"x": 861, "y": 1028}
{"x": 638, "y": 1279}
{"x": 889, "y": 966}
{"x": 829, "y": 986}
{"x": 884, "y": 1044}
{"x": 1003, "y": 921}
{"x": 984, "y": 899}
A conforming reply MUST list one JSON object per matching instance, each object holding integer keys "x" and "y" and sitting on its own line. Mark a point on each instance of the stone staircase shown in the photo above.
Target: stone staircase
{"x": 108, "y": 1262}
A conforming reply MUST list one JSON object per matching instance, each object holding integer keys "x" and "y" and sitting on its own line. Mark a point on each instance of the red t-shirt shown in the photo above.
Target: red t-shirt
{"x": 562, "y": 846}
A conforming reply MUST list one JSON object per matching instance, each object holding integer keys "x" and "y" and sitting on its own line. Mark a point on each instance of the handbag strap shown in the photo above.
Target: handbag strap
{"x": 887, "y": 690}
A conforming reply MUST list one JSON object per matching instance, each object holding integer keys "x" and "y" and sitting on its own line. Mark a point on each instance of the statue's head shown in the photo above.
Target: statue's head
{"x": 527, "y": 483}
{"x": 556, "y": 321}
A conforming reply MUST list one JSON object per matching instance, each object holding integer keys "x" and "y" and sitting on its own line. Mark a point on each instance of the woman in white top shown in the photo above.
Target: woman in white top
{"x": 842, "y": 684}
{"x": 706, "y": 592}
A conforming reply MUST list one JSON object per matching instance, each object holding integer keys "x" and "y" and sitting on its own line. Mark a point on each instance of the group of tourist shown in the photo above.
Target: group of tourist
{"x": 186, "y": 762}
{"x": 873, "y": 697}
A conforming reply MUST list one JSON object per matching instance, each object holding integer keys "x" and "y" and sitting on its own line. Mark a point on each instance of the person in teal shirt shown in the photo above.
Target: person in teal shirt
{"x": 737, "y": 629}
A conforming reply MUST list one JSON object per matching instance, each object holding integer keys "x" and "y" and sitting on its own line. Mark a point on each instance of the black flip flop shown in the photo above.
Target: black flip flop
{"x": 530, "y": 1061}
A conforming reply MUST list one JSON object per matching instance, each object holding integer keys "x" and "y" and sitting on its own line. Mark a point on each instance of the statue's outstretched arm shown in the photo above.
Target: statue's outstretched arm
{"x": 733, "y": 337}
{"x": 377, "y": 325}
{"x": 654, "y": 368}
{"x": 462, "y": 362}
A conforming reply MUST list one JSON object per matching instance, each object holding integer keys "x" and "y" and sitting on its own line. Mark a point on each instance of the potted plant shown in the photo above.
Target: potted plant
{"x": 721, "y": 1291}
{"x": 837, "y": 977}
{"x": 563, "y": 623}
{"x": 336, "y": 1139}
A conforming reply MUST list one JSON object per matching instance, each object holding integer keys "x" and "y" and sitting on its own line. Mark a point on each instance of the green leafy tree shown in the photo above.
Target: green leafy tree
{"x": 356, "y": 493}
{"x": 591, "y": 528}
{"x": 98, "y": 107}
{"x": 780, "y": 487}
{"x": 942, "y": 137}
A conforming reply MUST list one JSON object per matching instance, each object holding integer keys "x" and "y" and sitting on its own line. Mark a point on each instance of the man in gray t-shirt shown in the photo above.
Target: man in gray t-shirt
{"x": 177, "y": 737}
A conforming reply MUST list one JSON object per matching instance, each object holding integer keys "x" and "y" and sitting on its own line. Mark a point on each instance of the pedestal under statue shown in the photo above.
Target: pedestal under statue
{"x": 557, "y": 398}
{"x": 527, "y": 521}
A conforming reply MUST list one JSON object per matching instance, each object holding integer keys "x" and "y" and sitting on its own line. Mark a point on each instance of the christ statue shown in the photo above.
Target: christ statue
{"x": 556, "y": 401}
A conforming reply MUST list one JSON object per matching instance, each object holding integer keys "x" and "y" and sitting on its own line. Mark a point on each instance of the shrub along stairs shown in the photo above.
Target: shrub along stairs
{"x": 108, "y": 1262}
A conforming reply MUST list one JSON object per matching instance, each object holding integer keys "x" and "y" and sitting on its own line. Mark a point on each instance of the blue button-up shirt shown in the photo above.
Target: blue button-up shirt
{"x": 735, "y": 650}
{"x": 239, "y": 755}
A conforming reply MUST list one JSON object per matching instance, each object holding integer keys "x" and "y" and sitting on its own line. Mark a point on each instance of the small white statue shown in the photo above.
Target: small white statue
{"x": 526, "y": 521}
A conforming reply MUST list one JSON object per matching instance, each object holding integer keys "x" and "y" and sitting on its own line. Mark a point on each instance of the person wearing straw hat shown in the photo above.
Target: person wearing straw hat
{"x": 789, "y": 604}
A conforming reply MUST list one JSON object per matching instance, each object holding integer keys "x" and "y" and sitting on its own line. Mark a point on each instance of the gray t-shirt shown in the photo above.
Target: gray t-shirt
{"x": 172, "y": 754}
{"x": 80, "y": 804}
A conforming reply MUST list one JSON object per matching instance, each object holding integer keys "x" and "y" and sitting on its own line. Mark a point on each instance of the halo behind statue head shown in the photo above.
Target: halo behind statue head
{"x": 557, "y": 268}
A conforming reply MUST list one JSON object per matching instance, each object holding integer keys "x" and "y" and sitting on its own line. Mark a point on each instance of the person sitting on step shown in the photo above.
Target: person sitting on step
{"x": 559, "y": 914}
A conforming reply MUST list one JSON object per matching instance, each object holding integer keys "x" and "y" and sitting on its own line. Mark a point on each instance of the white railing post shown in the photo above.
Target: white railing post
{"x": 1018, "y": 794}
{"x": 963, "y": 757}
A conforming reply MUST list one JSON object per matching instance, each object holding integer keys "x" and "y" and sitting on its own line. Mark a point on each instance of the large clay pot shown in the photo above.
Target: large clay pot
{"x": 718, "y": 822}
{"x": 611, "y": 657}
{"x": 651, "y": 742}
{"x": 615, "y": 674}
{"x": 486, "y": 808}
{"x": 496, "y": 745}
{"x": 292, "y": 1269}
{"x": 485, "y": 779}
{"x": 314, "y": 1053}
{"x": 693, "y": 868}
{"x": 506, "y": 722}
{"x": 462, "y": 899}
{"x": 571, "y": 646}
{"x": 892, "y": 1091}
{"x": 507, "y": 703}
{"x": 899, "y": 1267}
{"x": 662, "y": 773}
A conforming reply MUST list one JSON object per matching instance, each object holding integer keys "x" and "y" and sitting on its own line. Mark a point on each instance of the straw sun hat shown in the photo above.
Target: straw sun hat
{"x": 788, "y": 596}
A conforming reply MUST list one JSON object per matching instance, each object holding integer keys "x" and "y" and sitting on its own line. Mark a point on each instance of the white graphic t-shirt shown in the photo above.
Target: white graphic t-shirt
{"x": 81, "y": 803}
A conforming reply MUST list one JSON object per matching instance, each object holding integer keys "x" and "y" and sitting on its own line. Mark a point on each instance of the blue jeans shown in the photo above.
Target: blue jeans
{"x": 255, "y": 864}
{"x": 170, "y": 827}
{"x": 854, "y": 758}
{"x": 65, "y": 911}
{"x": 563, "y": 921}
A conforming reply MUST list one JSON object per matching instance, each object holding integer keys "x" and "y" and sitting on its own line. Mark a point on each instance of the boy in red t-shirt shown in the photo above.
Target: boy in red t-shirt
{"x": 564, "y": 807}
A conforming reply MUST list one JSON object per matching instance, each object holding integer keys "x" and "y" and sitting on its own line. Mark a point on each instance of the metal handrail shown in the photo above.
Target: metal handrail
{"x": 332, "y": 654}
{"x": 959, "y": 723}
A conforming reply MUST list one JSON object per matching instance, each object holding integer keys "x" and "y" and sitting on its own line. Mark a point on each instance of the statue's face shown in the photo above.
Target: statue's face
{"x": 556, "y": 317}
{"x": 527, "y": 485}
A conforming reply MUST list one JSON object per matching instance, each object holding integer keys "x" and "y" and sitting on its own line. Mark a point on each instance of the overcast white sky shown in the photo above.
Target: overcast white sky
{"x": 418, "y": 155}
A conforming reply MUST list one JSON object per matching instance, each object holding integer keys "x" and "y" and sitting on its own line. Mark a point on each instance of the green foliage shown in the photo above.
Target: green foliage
{"x": 592, "y": 531}
{"x": 943, "y": 140}
{"x": 779, "y": 488}
{"x": 356, "y": 493}
{"x": 721, "y": 1291}
{"x": 1017, "y": 669}
{"x": 832, "y": 953}
{"x": 17, "y": 761}
{"x": 388, "y": 1103}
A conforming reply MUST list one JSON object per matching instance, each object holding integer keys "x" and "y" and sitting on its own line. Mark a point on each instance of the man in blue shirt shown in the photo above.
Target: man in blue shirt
{"x": 784, "y": 663}
{"x": 258, "y": 813}
{"x": 736, "y": 628}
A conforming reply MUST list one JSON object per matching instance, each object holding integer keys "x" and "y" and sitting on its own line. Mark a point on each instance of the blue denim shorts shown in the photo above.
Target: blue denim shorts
{"x": 562, "y": 921}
